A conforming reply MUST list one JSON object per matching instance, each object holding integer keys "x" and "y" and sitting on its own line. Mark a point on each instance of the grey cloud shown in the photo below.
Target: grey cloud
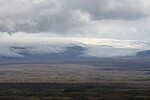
{"x": 56, "y": 16}
{"x": 36, "y": 16}
{"x": 113, "y": 9}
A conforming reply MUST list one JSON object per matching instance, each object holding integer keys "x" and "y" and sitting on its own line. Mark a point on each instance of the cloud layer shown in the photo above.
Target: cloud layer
{"x": 122, "y": 19}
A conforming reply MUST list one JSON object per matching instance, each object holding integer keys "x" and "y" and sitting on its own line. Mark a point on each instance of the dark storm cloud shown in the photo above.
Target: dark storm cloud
{"x": 59, "y": 16}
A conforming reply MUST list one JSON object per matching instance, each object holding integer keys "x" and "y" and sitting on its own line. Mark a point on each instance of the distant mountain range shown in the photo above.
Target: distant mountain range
{"x": 145, "y": 54}
{"x": 74, "y": 52}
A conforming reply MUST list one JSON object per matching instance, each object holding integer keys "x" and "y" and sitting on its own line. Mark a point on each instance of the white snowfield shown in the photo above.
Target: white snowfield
{"x": 13, "y": 45}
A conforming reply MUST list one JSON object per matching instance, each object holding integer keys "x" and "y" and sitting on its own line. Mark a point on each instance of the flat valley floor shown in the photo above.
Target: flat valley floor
{"x": 99, "y": 79}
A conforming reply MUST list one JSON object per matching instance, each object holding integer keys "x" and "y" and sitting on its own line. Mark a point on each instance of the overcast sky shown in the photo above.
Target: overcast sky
{"x": 119, "y": 19}
{"x": 29, "y": 21}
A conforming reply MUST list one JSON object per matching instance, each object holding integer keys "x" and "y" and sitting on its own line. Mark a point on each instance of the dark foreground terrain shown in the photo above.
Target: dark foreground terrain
{"x": 54, "y": 91}
{"x": 98, "y": 79}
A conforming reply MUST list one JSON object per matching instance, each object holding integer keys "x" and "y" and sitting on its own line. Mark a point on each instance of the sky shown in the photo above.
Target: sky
{"x": 31, "y": 23}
